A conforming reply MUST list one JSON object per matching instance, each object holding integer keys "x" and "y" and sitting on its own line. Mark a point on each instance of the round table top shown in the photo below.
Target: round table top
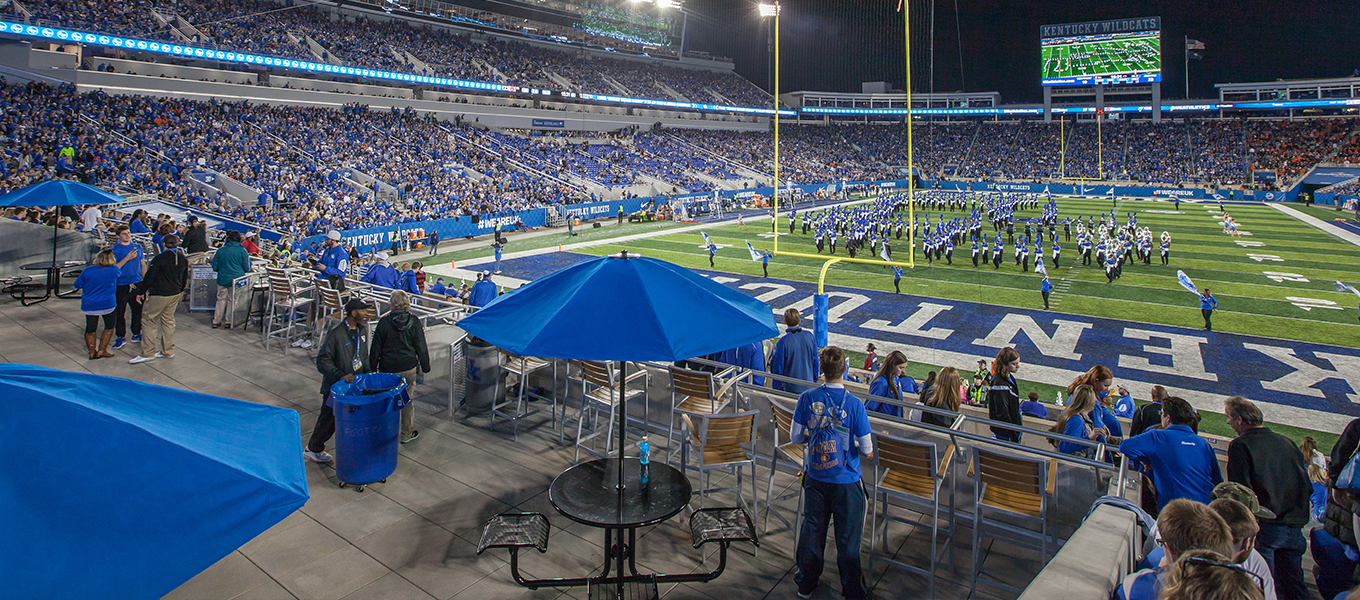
{"x": 588, "y": 493}
{"x": 47, "y": 265}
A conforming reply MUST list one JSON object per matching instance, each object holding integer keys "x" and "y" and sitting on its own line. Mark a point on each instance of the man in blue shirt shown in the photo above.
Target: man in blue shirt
{"x": 751, "y": 356}
{"x": 497, "y": 246}
{"x": 483, "y": 292}
{"x": 130, "y": 270}
{"x": 1045, "y": 287}
{"x": 382, "y": 273}
{"x": 334, "y": 262}
{"x": 836, "y": 429}
{"x": 1207, "y": 305}
{"x": 795, "y": 355}
{"x": 1182, "y": 464}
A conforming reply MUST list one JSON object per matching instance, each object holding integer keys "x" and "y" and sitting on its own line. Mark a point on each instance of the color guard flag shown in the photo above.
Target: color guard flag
{"x": 1341, "y": 287}
{"x": 1186, "y": 283}
{"x": 755, "y": 256}
{"x": 706, "y": 242}
{"x": 885, "y": 253}
{"x": 1039, "y": 266}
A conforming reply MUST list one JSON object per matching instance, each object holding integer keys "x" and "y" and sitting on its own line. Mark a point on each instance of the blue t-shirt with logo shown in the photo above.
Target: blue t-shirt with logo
{"x": 813, "y": 410}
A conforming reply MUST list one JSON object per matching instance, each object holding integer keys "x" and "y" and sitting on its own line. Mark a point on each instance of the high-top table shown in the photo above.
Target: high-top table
{"x": 54, "y": 269}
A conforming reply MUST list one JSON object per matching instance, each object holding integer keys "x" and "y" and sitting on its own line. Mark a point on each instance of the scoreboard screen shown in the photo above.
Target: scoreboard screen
{"x": 1103, "y": 59}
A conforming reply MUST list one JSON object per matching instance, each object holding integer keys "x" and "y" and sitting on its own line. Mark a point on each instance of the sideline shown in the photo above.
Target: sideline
{"x": 1345, "y": 235}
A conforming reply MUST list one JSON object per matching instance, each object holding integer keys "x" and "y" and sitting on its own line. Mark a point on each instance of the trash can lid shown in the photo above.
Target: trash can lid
{"x": 368, "y": 388}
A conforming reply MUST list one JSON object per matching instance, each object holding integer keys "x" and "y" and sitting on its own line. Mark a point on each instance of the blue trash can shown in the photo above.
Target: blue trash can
{"x": 367, "y": 425}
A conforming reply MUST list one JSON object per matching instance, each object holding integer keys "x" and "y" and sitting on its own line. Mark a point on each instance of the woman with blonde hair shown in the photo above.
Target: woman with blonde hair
{"x": 1099, "y": 378}
{"x": 1208, "y": 575}
{"x": 946, "y": 394}
{"x": 1078, "y": 421}
{"x": 98, "y": 284}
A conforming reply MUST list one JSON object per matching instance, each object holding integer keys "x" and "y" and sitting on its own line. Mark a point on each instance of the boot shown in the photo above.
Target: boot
{"x": 90, "y": 346}
{"x": 104, "y": 339}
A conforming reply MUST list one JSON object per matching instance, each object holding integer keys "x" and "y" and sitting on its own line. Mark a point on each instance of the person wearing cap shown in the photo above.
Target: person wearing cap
{"x": 382, "y": 274}
{"x": 1238, "y": 506}
{"x": 483, "y": 292}
{"x": 1273, "y": 467}
{"x": 1182, "y": 464}
{"x": 344, "y": 354}
{"x": 334, "y": 262}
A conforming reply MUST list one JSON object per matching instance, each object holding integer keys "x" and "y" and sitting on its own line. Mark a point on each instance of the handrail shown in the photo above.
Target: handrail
{"x": 959, "y": 418}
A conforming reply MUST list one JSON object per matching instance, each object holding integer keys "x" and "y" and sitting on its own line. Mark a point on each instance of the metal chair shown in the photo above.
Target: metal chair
{"x": 599, "y": 391}
{"x": 693, "y": 393}
{"x": 911, "y": 472}
{"x": 331, "y": 307}
{"x": 718, "y": 440}
{"x": 789, "y": 453}
{"x": 286, "y": 301}
{"x": 1018, "y": 488}
{"x": 521, "y": 367}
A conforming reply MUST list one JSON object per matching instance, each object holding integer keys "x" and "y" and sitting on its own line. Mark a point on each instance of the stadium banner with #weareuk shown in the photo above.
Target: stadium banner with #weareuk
{"x": 1299, "y": 383}
{"x": 374, "y": 239}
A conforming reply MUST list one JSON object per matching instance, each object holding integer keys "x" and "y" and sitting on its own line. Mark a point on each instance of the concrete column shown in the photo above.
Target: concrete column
{"x": 1157, "y": 102}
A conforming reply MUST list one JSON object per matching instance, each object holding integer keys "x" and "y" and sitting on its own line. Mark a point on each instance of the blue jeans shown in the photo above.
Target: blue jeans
{"x": 822, "y": 502}
{"x": 1283, "y": 546}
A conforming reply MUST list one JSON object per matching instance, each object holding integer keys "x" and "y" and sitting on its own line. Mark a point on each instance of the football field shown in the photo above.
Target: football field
{"x": 1276, "y": 280}
{"x": 1105, "y": 57}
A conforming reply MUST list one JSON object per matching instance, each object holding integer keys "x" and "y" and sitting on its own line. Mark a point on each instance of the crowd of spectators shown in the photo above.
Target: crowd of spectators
{"x": 262, "y": 27}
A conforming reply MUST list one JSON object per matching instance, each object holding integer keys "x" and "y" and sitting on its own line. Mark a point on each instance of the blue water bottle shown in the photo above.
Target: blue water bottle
{"x": 645, "y": 449}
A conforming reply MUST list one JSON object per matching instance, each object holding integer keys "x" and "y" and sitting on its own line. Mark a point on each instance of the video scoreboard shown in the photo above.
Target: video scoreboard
{"x": 1126, "y": 51}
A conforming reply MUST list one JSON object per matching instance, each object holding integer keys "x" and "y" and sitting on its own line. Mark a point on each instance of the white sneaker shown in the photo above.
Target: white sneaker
{"x": 161, "y": 355}
{"x": 317, "y": 457}
{"x": 306, "y": 344}
{"x": 302, "y": 343}
{"x": 141, "y": 359}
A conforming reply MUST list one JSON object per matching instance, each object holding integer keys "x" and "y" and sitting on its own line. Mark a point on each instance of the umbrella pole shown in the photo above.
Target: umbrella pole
{"x": 53, "y": 282}
{"x": 623, "y": 421}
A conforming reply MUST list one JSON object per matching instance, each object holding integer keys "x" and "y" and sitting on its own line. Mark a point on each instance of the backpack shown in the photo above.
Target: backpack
{"x": 1349, "y": 478}
{"x": 828, "y": 449}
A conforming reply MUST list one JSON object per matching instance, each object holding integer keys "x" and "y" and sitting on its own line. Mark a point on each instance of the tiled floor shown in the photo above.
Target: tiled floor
{"x": 415, "y": 536}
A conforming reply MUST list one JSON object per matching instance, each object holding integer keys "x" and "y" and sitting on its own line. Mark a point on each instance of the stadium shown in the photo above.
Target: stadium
{"x": 354, "y": 273}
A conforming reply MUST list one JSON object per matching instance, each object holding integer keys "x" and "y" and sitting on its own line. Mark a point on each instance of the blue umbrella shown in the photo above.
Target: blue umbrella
{"x": 622, "y": 307}
{"x": 148, "y": 486}
{"x": 57, "y": 192}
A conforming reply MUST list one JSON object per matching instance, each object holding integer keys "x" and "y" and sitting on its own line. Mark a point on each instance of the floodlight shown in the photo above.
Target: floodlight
{"x": 769, "y": 10}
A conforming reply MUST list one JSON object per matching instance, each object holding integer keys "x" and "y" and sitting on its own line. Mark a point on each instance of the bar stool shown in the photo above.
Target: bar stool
{"x": 286, "y": 298}
{"x": 330, "y": 308}
{"x": 258, "y": 291}
{"x": 522, "y": 367}
{"x": 604, "y": 395}
{"x": 913, "y": 473}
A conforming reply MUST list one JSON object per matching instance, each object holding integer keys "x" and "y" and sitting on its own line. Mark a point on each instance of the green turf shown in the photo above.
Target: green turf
{"x": 1322, "y": 211}
{"x": 583, "y": 234}
{"x": 1249, "y": 301}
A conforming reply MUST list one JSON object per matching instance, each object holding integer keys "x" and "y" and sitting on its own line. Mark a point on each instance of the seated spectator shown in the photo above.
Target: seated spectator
{"x": 1310, "y": 451}
{"x": 1181, "y": 464}
{"x": 1031, "y": 406}
{"x": 381, "y": 274}
{"x": 1317, "y": 502}
{"x": 1183, "y": 526}
{"x": 1209, "y": 575}
{"x": 890, "y": 382}
{"x": 1099, "y": 378}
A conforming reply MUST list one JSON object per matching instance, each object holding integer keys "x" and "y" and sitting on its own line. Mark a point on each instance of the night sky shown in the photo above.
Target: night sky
{"x": 833, "y": 45}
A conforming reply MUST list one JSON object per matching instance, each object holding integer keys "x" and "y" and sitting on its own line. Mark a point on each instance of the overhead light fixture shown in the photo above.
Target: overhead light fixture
{"x": 769, "y": 10}
{"x": 667, "y": 4}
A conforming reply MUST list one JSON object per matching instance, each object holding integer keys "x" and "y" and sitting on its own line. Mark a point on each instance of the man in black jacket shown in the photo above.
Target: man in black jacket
{"x": 1273, "y": 467}
{"x": 343, "y": 354}
{"x": 399, "y": 347}
{"x": 1149, "y": 416}
{"x": 196, "y": 237}
{"x": 162, "y": 287}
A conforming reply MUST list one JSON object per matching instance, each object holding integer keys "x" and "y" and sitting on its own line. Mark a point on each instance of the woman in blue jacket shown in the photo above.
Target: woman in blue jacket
{"x": 1078, "y": 420}
{"x": 98, "y": 284}
{"x": 1099, "y": 378}
{"x": 890, "y": 383}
